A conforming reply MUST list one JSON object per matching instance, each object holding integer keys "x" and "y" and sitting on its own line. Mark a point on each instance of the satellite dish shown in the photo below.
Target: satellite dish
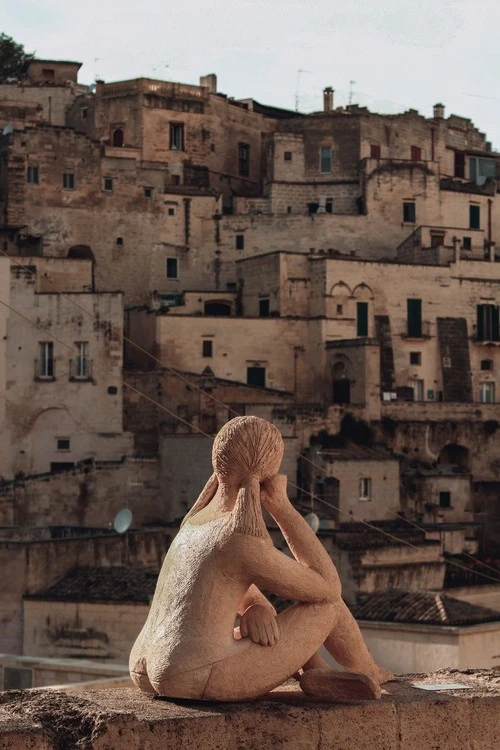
{"x": 313, "y": 521}
{"x": 8, "y": 130}
{"x": 123, "y": 520}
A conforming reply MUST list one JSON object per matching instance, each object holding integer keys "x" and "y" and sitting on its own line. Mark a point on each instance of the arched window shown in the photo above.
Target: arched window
{"x": 217, "y": 307}
{"x": 118, "y": 137}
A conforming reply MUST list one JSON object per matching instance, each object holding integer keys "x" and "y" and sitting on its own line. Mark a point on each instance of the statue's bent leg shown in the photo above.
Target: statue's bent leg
{"x": 258, "y": 669}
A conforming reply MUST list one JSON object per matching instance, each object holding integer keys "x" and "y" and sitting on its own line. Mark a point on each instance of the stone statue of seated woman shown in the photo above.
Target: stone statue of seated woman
{"x": 218, "y": 562}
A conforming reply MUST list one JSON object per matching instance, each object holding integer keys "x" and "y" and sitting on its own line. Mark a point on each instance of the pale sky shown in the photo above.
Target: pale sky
{"x": 400, "y": 54}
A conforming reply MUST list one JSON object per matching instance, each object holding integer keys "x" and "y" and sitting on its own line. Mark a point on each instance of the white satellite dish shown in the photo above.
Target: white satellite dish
{"x": 313, "y": 521}
{"x": 123, "y": 520}
{"x": 8, "y": 130}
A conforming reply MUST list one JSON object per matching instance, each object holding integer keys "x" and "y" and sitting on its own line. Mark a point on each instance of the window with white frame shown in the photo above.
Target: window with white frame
{"x": 81, "y": 369}
{"x": 365, "y": 488}
{"x": 45, "y": 361}
{"x": 487, "y": 393}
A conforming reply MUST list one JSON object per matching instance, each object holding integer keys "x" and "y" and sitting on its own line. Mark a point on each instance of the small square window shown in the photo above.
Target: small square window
{"x": 207, "y": 348}
{"x": 148, "y": 192}
{"x": 445, "y": 499}
{"x": 409, "y": 212}
{"x": 176, "y": 180}
{"x": 240, "y": 242}
{"x": 63, "y": 444}
{"x": 287, "y": 156}
{"x": 68, "y": 181}
{"x": 487, "y": 364}
{"x": 256, "y": 376}
{"x": 108, "y": 184}
{"x": 32, "y": 175}
{"x": 415, "y": 358}
{"x": 119, "y": 240}
{"x": 171, "y": 211}
{"x": 467, "y": 243}
{"x": 171, "y": 268}
{"x": 375, "y": 151}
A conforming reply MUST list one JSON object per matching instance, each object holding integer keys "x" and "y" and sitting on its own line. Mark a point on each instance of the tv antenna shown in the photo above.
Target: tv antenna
{"x": 297, "y": 87}
{"x": 123, "y": 521}
{"x": 351, "y": 91}
{"x": 97, "y": 76}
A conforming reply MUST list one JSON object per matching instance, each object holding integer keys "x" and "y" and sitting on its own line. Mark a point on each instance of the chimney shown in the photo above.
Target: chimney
{"x": 99, "y": 86}
{"x": 439, "y": 111}
{"x": 209, "y": 82}
{"x": 328, "y": 99}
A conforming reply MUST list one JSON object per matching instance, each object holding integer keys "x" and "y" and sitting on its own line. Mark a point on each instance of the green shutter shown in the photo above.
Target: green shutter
{"x": 480, "y": 322}
{"x": 362, "y": 318}
{"x": 474, "y": 216}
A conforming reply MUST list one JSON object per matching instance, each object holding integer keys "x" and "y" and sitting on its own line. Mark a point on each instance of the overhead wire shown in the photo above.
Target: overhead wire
{"x": 373, "y": 527}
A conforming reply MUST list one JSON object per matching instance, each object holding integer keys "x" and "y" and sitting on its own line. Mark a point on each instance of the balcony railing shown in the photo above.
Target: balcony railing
{"x": 80, "y": 368}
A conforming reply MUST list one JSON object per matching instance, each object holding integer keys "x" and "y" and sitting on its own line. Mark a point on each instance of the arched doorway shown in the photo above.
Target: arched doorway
{"x": 454, "y": 455}
{"x": 118, "y": 137}
{"x": 341, "y": 383}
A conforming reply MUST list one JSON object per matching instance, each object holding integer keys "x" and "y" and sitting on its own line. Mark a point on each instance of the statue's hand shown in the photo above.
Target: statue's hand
{"x": 273, "y": 495}
{"x": 260, "y": 624}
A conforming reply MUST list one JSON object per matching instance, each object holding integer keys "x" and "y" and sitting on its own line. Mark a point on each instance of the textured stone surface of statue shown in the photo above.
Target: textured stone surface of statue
{"x": 216, "y": 567}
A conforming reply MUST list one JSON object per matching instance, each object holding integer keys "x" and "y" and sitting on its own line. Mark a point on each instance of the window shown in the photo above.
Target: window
{"x": 256, "y": 376}
{"x": 414, "y": 317}
{"x": 148, "y": 192}
{"x": 176, "y": 136}
{"x": 325, "y": 159}
{"x": 176, "y": 179}
{"x": 240, "y": 242}
{"x": 415, "y": 358}
{"x": 264, "y": 308}
{"x": 474, "y": 216}
{"x": 49, "y": 74}
{"x": 312, "y": 208}
{"x": 459, "y": 164}
{"x": 207, "y": 348}
{"x": 118, "y": 139}
{"x": 171, "y": 268}
{"x": 119, "y": 241}
{"x": 416, "y": 153}
{"x": 418, "y": 389}
{"x": 340, "y": 310}
{"x": 108, "y": 184}
{"x": 365, "y": 488}
{"x": 487, "y": 393}
{"x": 63, "y": 444}
{"x": 409, "y": 212}
{"x": 81, "y": 365}
{"x": 287, "y": 156}
{"x": 488, "y": 323}
{"x": 171, "y": 212}
{"x": 362, "y": 318}
{"x": 445, "y": 499}
{"x": 84, "y": 113}
{"x": 244, "y": 159}
{"x": 45, "y": 363}
{"x": 374, "y": 151}
{"x": 437, "y": 239}
{"x": 68, "y": 181}
{"x": 329, "y": 206}
{"x": 487, "y": 364}
{"x": 467, "y": 243}
{"x": 481, "y": 169}
{"x": 32, "y": 175}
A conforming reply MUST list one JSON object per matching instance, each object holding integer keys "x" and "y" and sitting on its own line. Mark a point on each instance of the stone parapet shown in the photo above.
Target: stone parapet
{"x": 405, "y": 718}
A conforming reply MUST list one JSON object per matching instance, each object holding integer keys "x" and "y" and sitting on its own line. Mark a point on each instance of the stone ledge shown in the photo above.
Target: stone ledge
{"x": 404, "y": 719}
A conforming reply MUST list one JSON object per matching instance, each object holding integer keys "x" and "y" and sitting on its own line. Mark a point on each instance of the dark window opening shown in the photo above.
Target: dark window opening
{"x": 49, "y": 74}
{"x": 362, "y": 318}
{"x": 84, "y": 113}
{"x": 416, "y": 153}
{"x": 415, "y": 358}
{"x": 459, "y": 164}
{"x": 467, "y": 243}
{"x": 312, "y": 208}
{"x": 329, "y": 207}
{"x": 341, "y": 391}
{"x": 207, "y": 348}
{"x": 171, "y": 211}
{"x": 244, "y": 159}
{"x": 288, "y": 156}
{"x": 414, "y": 317}
{"x": 340, "y": 310}
{"x": 375, "y": 151}
{"x": 68, "y": 181}
{"x": 256, "y": 376}
{"x": 240, "y": 242}
{"x": 171, "y": 268}
{"x": 217, "y": 308}
{"x": 488, "y": 323}
{"x": 176, "y": 136}
{"x": 57, "y": 466}
{"x": 264, "y": 308}
{"x": 409, "y": 212}
{"x": 445, "y": 499}
{"x": 437, "y": 240}
{"x": 112, "y": 390}
{"x": 118, "y": 137}
{"x": 63, "y": 444}
{"x": 108, "y": 184}
{"x": 474, "y": 216}
{"x": 119, "y": 240}
{"x": 325, "y": 159}
{"x": 289, "y": 209}
{"x": 148, "y": 192}
{"x": 32, "y": 175}
{"x": 176, "y": 179}
{"x": 487, "y": 364}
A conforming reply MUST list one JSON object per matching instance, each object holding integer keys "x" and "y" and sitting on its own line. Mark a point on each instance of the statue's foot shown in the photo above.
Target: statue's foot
{"x": 339, "y": 687}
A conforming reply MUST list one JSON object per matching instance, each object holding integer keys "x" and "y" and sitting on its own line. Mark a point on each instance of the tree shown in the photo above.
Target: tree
{"x": 12, "y": 58}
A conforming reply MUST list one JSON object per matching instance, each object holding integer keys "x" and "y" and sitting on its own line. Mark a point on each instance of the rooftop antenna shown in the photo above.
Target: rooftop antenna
{"x": 123, "y": 521}
{"x": 351, "y": 91}
{"x": 297, "y": 87}
{"x": 97, "y": 76}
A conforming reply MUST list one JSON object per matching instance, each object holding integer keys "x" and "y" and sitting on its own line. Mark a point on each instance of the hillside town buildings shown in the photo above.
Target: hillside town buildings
{"x": 171, "y": 257}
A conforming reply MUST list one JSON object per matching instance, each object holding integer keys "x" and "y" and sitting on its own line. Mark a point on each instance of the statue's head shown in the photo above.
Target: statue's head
{"x": 247, "y": 447}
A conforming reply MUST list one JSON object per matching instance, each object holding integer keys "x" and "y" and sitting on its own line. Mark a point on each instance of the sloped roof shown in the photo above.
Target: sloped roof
{"x": 421, "y": 607}
{"x": 86, "y": 584}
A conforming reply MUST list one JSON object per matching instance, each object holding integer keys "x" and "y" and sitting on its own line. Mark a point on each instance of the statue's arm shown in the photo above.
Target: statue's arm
{"x": 254, "y": 596}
